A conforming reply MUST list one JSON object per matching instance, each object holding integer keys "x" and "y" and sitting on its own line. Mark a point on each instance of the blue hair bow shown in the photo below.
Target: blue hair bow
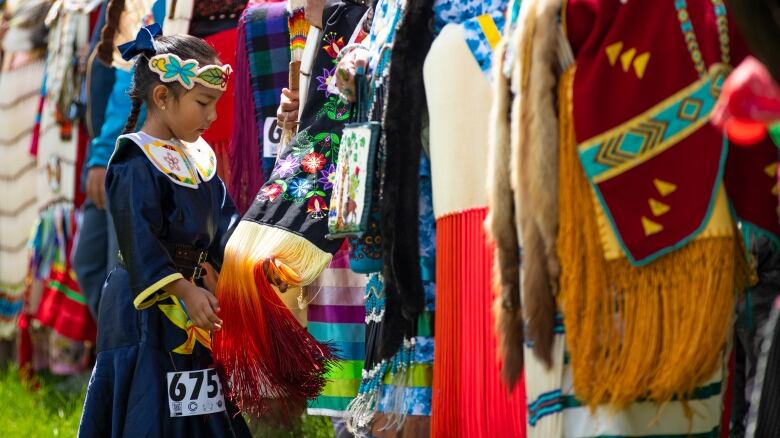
{"x": 143, "y": 44}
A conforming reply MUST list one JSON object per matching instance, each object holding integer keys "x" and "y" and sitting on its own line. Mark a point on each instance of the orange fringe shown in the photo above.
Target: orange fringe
{"x": 653, "y": 332}
{"x": 269, "y": 358}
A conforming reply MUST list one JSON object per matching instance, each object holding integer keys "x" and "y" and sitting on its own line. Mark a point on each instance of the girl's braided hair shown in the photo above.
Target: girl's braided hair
{"x": 105, "y": 48}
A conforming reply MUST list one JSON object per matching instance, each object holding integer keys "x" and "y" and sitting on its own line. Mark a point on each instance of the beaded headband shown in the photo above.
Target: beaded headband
{"x": 171, "y": 68}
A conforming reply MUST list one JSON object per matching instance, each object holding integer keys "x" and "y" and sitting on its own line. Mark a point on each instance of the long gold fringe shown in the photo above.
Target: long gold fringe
{"x": 653, "y": 332}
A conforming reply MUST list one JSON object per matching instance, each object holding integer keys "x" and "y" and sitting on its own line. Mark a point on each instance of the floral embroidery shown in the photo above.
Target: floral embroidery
{"x": 287, "y": 166}
{"x": 327, "y": 82}
{"x": 329, "y": 143}
{"x": 305, "y": 171}
{"x": 171, "y": 68}
{"x": 173, "y": 162}
{"x": 175, "y": 69}
{"x": 272, "y": 191}
{"x": 299, "y": 187}
{"x": 317, "y": 207}
{"x": 335, "y": 110}
{"x": 313, "y": 162}
{"x": 328, "y": 177}
{"x": 333, "y": 44}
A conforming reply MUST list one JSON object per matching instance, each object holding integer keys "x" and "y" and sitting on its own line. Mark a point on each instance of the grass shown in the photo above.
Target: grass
{"x": 54, "y": 410}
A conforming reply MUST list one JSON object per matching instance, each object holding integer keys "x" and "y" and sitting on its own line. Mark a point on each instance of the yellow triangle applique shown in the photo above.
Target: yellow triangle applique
{"x": 664, "y": 187}
{"x": 613, "y": 50}
{"x": 640, "y": 64}
{"x": 651, "y": 227}
{"x": 202, "y": 157}
{"x": 658, "y": 208}
{"x": 771, "y": 170}
{"x": 626, "y": 58}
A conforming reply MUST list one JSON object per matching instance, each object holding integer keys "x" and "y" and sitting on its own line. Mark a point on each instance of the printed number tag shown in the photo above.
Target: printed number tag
{"x": 272, "y": 136}
{"x": 195, "y": 393}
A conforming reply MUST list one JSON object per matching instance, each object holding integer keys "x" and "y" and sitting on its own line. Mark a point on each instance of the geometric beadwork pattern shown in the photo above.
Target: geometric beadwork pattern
{"x": 650, "y": 133}
{"x": 690, "y": 109}
{"x": 637, "y": 140}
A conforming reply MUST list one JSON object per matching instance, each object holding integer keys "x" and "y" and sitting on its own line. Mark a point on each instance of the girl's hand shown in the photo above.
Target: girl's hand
{"x": 202, "y": 305}
{"x": 345, "y": 72}
{"x": 287, "y": 113}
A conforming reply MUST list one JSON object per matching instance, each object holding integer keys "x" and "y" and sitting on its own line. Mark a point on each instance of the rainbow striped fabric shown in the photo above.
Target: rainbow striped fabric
{"x": 336, "y": 315}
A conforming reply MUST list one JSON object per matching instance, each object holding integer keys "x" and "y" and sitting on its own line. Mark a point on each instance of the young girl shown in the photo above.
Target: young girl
{"x": 155, "y": 374}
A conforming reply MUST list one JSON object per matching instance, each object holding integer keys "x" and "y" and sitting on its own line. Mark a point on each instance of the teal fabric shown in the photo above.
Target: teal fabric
{"x": 117, "y": 109}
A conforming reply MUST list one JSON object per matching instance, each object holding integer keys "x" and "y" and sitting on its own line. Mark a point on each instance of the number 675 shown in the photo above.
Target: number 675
{"x": 178, "y": 390}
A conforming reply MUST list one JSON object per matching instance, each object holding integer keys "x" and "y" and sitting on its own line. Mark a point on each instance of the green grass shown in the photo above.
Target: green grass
{"x": 54, "y": 410}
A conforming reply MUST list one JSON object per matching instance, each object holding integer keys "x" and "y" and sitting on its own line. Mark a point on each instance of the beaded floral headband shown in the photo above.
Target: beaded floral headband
{"x": 172, "y": 68}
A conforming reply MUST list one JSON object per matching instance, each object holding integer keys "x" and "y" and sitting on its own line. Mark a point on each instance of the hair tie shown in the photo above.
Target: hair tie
{"x": 143, "y": 44}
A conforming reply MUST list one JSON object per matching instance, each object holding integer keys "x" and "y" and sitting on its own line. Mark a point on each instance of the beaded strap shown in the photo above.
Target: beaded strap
{"x": 690, "y": 35}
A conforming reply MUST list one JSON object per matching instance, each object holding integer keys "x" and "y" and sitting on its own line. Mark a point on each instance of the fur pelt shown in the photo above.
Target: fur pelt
{"x": 507, "y": 309}
{"x": 534, "y": 175}
{"x": 523, "y": 199}
{"x": 403, "y": 118}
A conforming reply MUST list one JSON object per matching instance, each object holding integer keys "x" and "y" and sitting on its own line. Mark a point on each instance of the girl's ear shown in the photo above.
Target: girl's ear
{"x": 160, "y": 96}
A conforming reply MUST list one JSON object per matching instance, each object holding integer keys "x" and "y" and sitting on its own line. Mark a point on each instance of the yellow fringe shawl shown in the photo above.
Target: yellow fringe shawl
{"x": 295, "y": 260}
{"x": 654, "y": 332}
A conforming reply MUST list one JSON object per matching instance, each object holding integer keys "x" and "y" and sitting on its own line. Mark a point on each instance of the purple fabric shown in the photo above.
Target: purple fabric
{"x": 339, "y": 314}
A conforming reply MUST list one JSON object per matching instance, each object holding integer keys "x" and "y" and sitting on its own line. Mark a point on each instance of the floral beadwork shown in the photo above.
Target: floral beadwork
{"x": 327, "y": 82}
{"x": 171, "y": 68}
{"x": 304, "y": 172}
{"x": 313, "y": 162}
{"x": 328, "y": 177}
{"x": 304, "y": 175}
{"x": 333, "y": 44}
{"x": 335, "y": 110}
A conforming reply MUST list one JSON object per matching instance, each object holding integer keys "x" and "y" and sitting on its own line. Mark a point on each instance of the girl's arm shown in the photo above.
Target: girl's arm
{"x": 135, "y": 196}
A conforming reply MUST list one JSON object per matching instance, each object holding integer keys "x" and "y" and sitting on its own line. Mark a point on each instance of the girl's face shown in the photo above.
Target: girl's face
{"x": 191, "y": 114}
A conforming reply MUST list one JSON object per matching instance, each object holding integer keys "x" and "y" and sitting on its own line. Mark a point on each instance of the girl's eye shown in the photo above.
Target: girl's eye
{"x": 202, "y": 103}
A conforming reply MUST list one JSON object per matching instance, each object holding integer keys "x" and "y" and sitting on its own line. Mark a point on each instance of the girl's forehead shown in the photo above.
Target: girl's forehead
{"x": 203, "y": 91}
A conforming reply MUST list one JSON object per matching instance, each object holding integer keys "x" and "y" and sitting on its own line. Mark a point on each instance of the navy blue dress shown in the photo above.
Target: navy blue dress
{"x": 160, "y": 194}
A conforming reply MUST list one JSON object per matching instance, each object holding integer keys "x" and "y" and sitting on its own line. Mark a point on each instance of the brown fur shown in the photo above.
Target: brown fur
{"x": 523, "y": 198}
{"x": 507, "y": 308}
{"x": 535, "y": 170}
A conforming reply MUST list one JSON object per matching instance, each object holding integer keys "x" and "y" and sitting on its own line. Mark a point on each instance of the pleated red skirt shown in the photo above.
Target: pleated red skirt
{"x": 469, "y": 398}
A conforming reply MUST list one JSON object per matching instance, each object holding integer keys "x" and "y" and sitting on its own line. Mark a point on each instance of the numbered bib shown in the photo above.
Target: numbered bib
{"x": 272, "y": 137}
{"x": 195, "y": 393}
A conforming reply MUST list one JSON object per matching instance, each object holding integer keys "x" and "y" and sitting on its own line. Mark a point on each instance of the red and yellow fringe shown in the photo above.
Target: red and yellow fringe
{"x": 653, "y": 332}
{"x": 268, "y": 357}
